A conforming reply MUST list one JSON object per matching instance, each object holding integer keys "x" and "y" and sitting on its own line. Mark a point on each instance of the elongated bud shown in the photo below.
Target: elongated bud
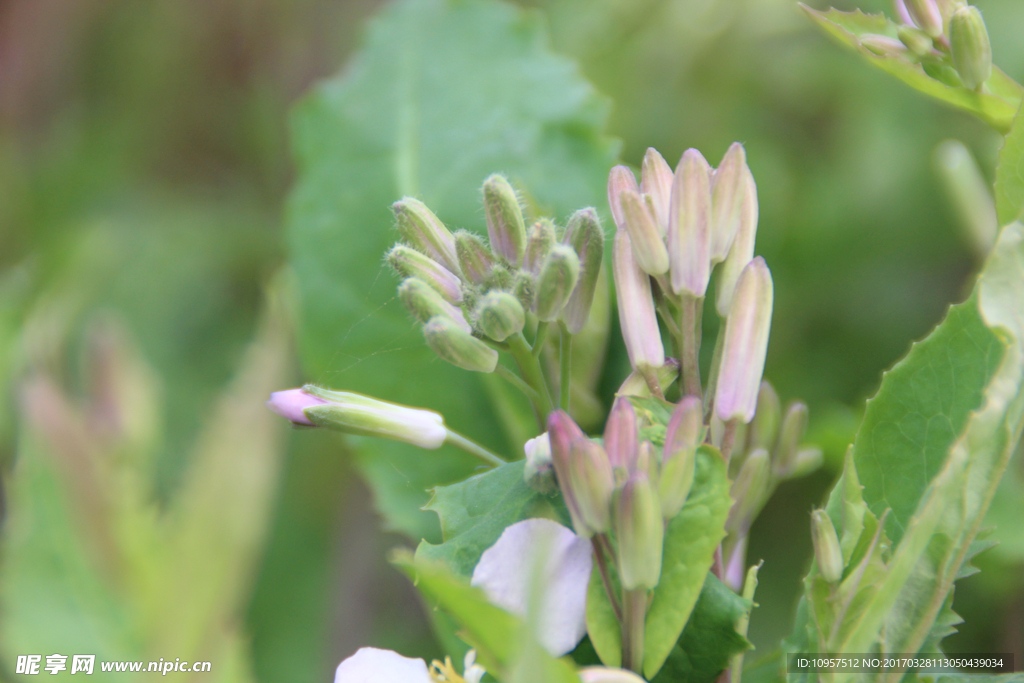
{"x": 636, "y": 384}
{"x": 685, "y": 427}
{"x": 648, "y": 248}
{"x": 505, "y": 225}
{"x": 637, "y": 317}
{"x": 556, "y": 281}
{"x": 562, "y": 433}
{"x": 620, "y": 434}
{"x": 794, "y": 425}
{"x": 969, "y": 43}
{"x": 291, "y": 404}
{"x": 728, "y": 188}
{"x": 524, "y": 287}
{"x": 500, "y": 315}
{"x": 682, "y": 438}
{"x": 970, "y": 194}
{"x": 916, "y": 40}
{"x": 592, "y": 483}
{"x": 424, "y": 302}
{"x": 764, "y": 428}
{"x": 353, "y": 413}
{"x": 648, "y": 462}
{"x": 585, "y": 236}
{"x": 539, "y": 472}
{"x": 656, "y": 183}
{"x": 425, "y": 232}
{"x": 926, "y": 15}
{"x": 826, "y": 547}
{"x": 620, "y": 179}
{"x": 539, "y": 241}
{"x": 458, "y": 347}
{"x": 689, "y": 225}
{"x": 746, "y": 344}
{"x": 742, "y": 250}
{"x": 748, "y": 491}
{"x": 882, "y": 45}
{"x": 807, "y": 460}
{"x": 408, "y": 262}
{"x": 640, "y": 531}
{"x": 475, "y": 258}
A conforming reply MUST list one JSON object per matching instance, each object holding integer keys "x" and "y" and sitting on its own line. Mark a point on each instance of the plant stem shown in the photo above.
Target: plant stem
{"x": 473, "y": 448}
{"x": 729, "y": 438}
{"x": 634, "y": 610}
{"x": 716, "y": 362}
{"x": 516, "y": 381}
{"x": 538, "y": 340}
{"x": 565, "y": 375}
{"x": 689, "y": 345}
{"x": 529, "y": 368}
{"x": 602, "y": 568}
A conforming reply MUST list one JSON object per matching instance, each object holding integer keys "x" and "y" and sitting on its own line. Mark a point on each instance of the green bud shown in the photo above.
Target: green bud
{"x": 458, "y": 347}
{"x": 676, "y": 480}
{"x": 656, "y": 184}
{"x": 926, "y": 14}
{"x": 749, "y": 490}
{"x": 500, "y": 315}
{"x": 408, "y": 262}
{"x": 969, "y": 43}
{"x": 556, "y": 281}
{"x": 640, "y": 532}
{"x": 592, "y": 483}
{"x": 807, "y": 460}
{"x": 970, "y": 194}
{"x": 475, "y": 258}
{"x": 505, "y": 225}
{"x": 826, "y": 547}
{"x": 882, "y": 45}
{"x": 353, "y": 413}
{"x": 794, "y": 425}
{"x": 424, "y": 302}
{"x": 764, "y": 428}
{"x": 686, "y": 426}
{"x": 648, "y": 247}
{"x": 538, "y": 472}
{"x": 585, "y": 236}
{"x": 728, "y": 188}
{"x": 647, "y": 462}
{"x": 916, "y": 40}
{"x": 524, "y": 287}
{"x": 425, "y": 232}
{"x": 538, "y": 243}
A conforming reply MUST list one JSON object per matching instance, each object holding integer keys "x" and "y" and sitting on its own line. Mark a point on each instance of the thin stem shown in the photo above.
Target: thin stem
{"x": 634, "y": 605}
{"x": 565, "y": 376}
{"x": 689, "y": 346}
{"x": 538, "y": 341}
{"x": 602, "y": 568}
{"x": 473, "y": 448}
{"x": 516, "y": 381}
{"x": 729, "y": 438}
{"x": 529, "y": 368}
{"x": 716, "y": 362}
{"x": 497, "y": 345}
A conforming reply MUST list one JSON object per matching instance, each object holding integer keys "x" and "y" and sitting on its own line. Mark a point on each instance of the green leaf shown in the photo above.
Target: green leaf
{"x": 441, "y": 95}
{"x": 996, "y": 107}
{"x": 690, "y": 542}
{"x": 475, "y": 512}
{"x": 710, "y": 638}
{"x": 1010, "y": 174}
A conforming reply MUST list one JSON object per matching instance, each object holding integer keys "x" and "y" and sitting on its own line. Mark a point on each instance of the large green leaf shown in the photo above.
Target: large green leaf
{"x": 1010, "y": 175}
{"x": 441, "y": 95}
{"x": 996, "y": 107}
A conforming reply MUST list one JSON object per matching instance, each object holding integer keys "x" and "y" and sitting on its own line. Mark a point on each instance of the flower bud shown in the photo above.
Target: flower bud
{"x": 408, "y": 262}
{"x": 425, "y": 232}
{"x": 807, "y": 460}
{"x": 685, "y": 427}
{"x": 648, "y": 248}
{"x": 678, "y": 462}
{"x": 539, "y": 241}
{"x": 354, "y": 413}
{"x": 291, "y": 404}
{"x": 505, "y": 225}
{"x": 647, "y": 461}
{"x": 585, "y": 236}
{"x": 475, "y": 259}
{"x": 728, "y": 190}
{"x": 764, "y": 429}
{"x": 640, "y": 532}
{"x": 882, "y": 45}
{"x": 500, "y": 315}
{"x": 748, "y": 491}
{"x": 970, "y": 46}
{"x": 926, "y": 15}
{"x": 637, "y": 318}
{"x": 620, "y": 179}
{"x": 689, "y": 225}
{"x": 449, "y": 341}
{"x": 424, "y": 302}
{"x": 970, "y": 194}
{"x": 656, "y": 183}
{"x": 562, "y": 433}
{"x": 746, "y": 344}
{"x": 916, "y": 40}
{"x": 556, "y": 281}
{"x": 524, "y": 287}
{"x": 826, "y": 547}
{"x": 636, "y": 384}
{"x": 794, "y": 425}
{"x": 620, "y": 434}
{"x": 592, "y": 483}
{"x": 742, "y": 250}
{"x": 539, "y": 472}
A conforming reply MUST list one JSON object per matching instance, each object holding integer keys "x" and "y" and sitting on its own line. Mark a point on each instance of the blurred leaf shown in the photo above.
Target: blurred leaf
{"x": 475, "y": 512}
{"x": 1010, "y": 174}
{"x": 997, "y": 109}
{"x": 442, "y": 95}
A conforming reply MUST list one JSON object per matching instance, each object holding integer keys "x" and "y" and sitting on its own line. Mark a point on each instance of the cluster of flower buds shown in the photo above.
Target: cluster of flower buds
{"x": 626, "y": 485}
{"x": 939, "y": 33}
{"x": 467, "y": 291}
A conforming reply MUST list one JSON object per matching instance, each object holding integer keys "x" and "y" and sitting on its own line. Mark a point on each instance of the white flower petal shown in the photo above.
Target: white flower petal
{"x": 372, "y": 665}
{"x": 505, "y": 570}
{"x": 602, "y": 674}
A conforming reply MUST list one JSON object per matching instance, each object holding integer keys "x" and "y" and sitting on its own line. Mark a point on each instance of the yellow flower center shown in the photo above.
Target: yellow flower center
{"x": 444, "y": 672}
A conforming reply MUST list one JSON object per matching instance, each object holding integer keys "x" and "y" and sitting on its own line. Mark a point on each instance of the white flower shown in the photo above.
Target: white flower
{"x": 506, "y": 570}
{"x": 371, "y": 665}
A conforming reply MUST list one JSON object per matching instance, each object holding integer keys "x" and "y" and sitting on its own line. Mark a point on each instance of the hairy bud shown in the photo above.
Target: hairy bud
{"x": 539, "y": 240}
{"x": 556, "y": 281}
{"x": 505, "y": 225}
{"x": 424, "y": 302}
{"x": 475, "y": 258}
{"x": 408, "y": 262}
{"x": 499, "y": 315}
{"x": 458, "y": 347}
{"x": 425, "y": 232}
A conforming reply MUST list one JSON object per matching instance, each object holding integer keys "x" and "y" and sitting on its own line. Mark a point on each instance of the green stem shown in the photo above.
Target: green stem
{"x": 538, "y": 341}
{"x": 716, "y": 362}
{"x": 634, "y": 610}
{"x": 516, "y": 381}
{"x": 473, "y": 448}
{"x": 565, "y": 376}
{"x": 729, "y": 438}
{"x": 602, "y": 568}
{"x": 529, "y": 368}
{"x": 689, "y": 345}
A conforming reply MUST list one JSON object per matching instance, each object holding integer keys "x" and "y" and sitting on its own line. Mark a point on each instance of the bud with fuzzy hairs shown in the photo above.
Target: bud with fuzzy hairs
{"x": 746, "y": 343}
{"x": 475, "y": 259}
{"x": 505, "y": 225}
{"x": 556, "y": 281}
{"x": 637, "y": 317}
{"x": 425, "y": 232}
{"x": 408, "y": 262}
{"x": 499, "y": 315}
{"x": 453, "y": 344}
{"x": 689, "y": 225}
{"x": 585, "y": 236}
{"x": 539, "y": 240}
{"x": 424, "y": 302}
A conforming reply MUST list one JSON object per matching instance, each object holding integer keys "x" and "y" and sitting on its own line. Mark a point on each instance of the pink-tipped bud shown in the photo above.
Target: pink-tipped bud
{"x": 291, "y": 403}
{"x": 620, "y": 179}
{"x": 620, "y": 434}
{"x": 656, "y": 183}
{"x": 926, "y": 15}
{"x": 425, "y": 232}
{"x": 648, "y": 247}
{"x": 408, "y": 262}
{"x": 742, "y": 250}
{"x": 685, "y": 427}
{"x": 689, "y": 225}
{"x": 562, "y": 433}
{"x": 637, "y": 317}
{"x": 727, "y": 193}
{"x": 475, "y": 259}
{"x": 592, "y": 484}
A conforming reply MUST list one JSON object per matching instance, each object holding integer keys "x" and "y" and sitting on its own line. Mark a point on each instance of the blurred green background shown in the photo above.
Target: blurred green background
{"x": 145, "y": 164}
